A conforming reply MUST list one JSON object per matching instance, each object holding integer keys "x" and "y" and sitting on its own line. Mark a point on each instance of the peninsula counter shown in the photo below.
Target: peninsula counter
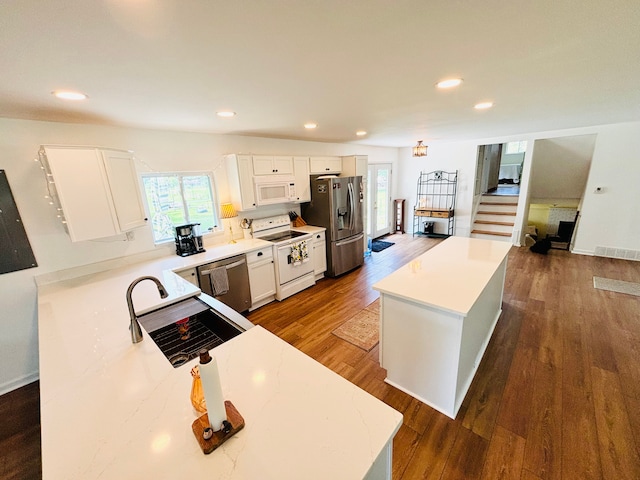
{"x": 111, "y": 409}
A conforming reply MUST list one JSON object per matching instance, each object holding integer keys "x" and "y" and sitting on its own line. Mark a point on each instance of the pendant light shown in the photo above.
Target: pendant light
{"x": 420, "y": 150}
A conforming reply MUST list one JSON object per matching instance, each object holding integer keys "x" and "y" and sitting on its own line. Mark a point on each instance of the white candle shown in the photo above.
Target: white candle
{"x": 212, "y": 390}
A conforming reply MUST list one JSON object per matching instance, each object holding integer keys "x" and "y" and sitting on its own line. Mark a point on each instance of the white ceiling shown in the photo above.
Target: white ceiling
{"x": 345, "y": 64}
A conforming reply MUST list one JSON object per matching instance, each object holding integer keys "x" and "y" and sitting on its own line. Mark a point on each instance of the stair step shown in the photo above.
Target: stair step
{"x": 487, "y": 222}
{"x": 497, "y": 213}
{"x": 499, "y": 198}
{"x": 513, "y": 204}
{"x": 485, "y": 232}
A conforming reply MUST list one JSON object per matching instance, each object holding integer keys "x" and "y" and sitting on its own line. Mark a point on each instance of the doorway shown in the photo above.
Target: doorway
{"x": 497, "y": 190}
{"x": 379, "y": 200}
{"x": 557, "y": 183}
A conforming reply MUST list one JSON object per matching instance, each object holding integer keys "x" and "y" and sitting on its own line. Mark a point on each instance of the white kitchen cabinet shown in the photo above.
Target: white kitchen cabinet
{"x": 190, "y": 275}
{"x": 240, "y": 182}
{"x": 97, "y": 189}
{"x": 302, "y": 179}
{"x": 272, "y": 165}
{"x": 355, "y": 165}
{"x": 320, "y": 165}
{"x": 319, "y": 254}
{"x": 262, "y": 276}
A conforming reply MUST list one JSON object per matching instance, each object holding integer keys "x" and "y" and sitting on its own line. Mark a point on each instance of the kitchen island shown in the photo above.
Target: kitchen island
{"x": 111, "y": 409}
{"x": 437, "y": 314}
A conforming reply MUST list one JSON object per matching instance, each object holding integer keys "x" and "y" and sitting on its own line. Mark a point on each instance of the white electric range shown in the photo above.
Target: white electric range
{"x": 291, "y": 254}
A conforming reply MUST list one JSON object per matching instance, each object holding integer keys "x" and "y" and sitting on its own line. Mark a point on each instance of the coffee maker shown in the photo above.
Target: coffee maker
{"x": 188, "y": 240}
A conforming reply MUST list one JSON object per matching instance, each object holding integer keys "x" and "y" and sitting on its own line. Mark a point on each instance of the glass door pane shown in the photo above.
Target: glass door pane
{"x": 380, "y": 204}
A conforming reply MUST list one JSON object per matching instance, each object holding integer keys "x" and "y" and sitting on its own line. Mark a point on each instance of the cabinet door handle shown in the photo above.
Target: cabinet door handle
{"x": 260, "y": 254}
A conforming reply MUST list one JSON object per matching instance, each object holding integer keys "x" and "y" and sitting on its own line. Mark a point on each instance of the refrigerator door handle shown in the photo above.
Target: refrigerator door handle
{"x": 357, "y": 238}
{"x": 350, "y": 195}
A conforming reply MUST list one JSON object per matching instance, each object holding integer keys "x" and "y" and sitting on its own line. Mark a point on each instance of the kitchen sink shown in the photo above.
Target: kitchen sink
{"x": 182, "y": 329}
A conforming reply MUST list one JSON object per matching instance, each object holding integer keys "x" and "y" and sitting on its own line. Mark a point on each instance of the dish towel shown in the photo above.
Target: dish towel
{"x": 219, "y": 281}
{"x": 299, "y": 253}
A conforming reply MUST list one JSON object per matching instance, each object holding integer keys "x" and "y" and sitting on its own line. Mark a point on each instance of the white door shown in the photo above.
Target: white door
{"x": 379, "y": 195}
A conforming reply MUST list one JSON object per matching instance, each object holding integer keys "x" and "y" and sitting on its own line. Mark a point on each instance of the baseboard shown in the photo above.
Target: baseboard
{"x": 582, "y": 252}
{"x": 18, "y": 382}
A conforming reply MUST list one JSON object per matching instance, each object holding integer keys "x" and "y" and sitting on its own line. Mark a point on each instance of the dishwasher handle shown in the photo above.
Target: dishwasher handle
{"x": 230, "y": 265}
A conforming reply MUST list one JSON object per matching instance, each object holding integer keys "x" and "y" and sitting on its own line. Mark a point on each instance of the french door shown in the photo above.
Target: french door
{"x": 379, "y": 204}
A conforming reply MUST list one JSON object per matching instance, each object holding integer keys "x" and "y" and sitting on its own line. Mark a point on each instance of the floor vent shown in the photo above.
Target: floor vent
{"x": 622, "y": 253}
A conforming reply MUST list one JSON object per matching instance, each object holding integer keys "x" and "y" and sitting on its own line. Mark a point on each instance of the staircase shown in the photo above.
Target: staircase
{"x": 495, "y": 217}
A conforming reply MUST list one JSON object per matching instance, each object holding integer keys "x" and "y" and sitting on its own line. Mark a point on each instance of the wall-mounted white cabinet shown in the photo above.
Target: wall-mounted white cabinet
{"x": 355, "y": 165}
{"x": 97, "y": 189}
{"x": 320, "y": 165}
{"x": 240, "y": 182}
{"x": 302, "y": 180}
{"x": 272, "y": 165}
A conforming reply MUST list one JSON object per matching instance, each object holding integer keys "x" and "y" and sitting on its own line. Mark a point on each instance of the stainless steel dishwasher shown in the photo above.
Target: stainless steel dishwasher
{"x": 228, "y": 281}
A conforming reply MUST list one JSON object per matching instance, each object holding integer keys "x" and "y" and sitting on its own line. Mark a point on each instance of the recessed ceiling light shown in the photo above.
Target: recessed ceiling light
{"x": 449, "y": 83}
{"x": 361, "y": 133}
{"x": 226, "y": 113}
{"x": 483, "y": 105}
{"x": 69, "y": 95}
{"x": 310, "y": 126}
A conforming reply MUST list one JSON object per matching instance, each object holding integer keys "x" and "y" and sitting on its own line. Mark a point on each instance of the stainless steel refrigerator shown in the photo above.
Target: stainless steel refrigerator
{"x": 336, "y": 204}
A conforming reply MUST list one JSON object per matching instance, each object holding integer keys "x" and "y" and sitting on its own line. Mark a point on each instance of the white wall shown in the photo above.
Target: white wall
{"x": 610, "y": 218}
{"x": 561, "y": 167}
{"x": 448, "y": 157}
{"x": 154, "y": 151}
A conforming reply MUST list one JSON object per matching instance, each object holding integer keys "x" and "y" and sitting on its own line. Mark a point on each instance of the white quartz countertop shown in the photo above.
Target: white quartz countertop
{"x": 309, "y": 229}
{"x": 450, "y": 276}
{"x": 111, "y": 409}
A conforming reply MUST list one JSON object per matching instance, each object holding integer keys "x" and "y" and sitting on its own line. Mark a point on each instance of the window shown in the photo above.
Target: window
{"x": 179, "y": 198}
{"x": 516, "y": 147}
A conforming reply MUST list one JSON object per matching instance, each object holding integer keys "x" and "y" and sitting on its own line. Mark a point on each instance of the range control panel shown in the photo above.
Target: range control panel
{"x": 261, "y": 224}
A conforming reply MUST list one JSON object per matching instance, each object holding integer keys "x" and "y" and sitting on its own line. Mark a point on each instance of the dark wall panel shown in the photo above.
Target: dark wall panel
{"x": 15, "y": 249}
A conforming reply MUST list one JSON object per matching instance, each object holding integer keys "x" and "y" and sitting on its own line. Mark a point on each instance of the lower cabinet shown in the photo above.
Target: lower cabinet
{"x": 189, "y": 275}
{"x": 262, "y": 277}
{"x": 319, "y": 249}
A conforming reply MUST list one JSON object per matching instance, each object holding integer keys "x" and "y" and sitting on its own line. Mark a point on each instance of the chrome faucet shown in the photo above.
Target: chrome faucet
{"x": 136, "y": 331}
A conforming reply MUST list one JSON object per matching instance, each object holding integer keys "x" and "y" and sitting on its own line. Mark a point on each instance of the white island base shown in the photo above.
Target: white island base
{"x": 437, "y": 314}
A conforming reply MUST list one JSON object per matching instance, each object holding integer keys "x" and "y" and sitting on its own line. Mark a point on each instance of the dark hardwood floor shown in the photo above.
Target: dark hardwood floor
{"x": 20, "y": 457}
{"x": 557, "y": 395}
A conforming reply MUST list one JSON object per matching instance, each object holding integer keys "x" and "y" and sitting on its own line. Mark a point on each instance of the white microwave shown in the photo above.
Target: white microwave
{"x": 272, "y": 189}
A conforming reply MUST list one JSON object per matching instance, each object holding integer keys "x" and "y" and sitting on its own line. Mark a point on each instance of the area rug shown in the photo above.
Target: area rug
{"x": 379, "y": 245}
{"x": 362, "y": 330}
{"x": 619, "y": 286}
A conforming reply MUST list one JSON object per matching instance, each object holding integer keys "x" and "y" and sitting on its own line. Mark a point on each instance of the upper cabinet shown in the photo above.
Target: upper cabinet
{"x": 240, "y": 181}
{"x": 320, "y": 165}
{"x": 272, "y": 165}
{"x": 302, "y": 180}
{"x": 97, "y": 189}
{"x": 354, "y": 165}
